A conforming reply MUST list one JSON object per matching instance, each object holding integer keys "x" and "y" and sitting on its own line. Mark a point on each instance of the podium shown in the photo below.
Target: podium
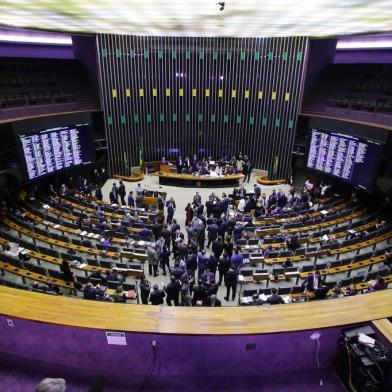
{"x": 166, "y": 168}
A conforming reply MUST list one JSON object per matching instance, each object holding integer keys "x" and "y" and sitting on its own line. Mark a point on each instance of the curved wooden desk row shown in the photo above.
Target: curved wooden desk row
{"x": 87, "y": 268}
{"x": 341, "y": 250}
{"x": 316, "y": 240}
{"x": 74, "y": 218}
{"x": 67, "y": 245}
{"x": 270, "y": 221}
{"x": 34, "y": 276}
{"x": 122, "y": 241}
{"x": 70, "y": 230}
{"x": 263, "y": 180}
{"x": 92, "y": 208}
{"x": 349, "y": 267}
{"x": 132, "y": 178}
{"x": 182, "y": 320}
{"x": 322, "y": 225}
{"x": 190, "y": 180}
{"x": 81, "y": 207}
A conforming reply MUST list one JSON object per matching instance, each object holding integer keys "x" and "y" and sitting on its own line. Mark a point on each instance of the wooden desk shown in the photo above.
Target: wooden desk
{"x": 181, "y": 320}
{"x": 198, "y": 181}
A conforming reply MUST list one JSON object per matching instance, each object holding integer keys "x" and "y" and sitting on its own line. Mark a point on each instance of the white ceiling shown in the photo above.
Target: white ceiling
{"x": 240, "y": 18}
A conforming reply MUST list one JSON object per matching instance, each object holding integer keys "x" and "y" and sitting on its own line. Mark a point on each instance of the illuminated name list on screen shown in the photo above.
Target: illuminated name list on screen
{"x": 54, "y": 149}
{"x": 347, "y": 157}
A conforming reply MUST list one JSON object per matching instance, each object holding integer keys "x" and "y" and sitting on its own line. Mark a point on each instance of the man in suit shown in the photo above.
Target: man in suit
{"x": 242, "y": 192}
{"x": 98, "y": 193}
{"x": 274, "y": 298}
{"x": 202, "y": 260}
{"x": 122, "y": 193}
{"x": 231, "y": 282}
{"x": 212, "y": 230}
{"x": 173, "y": 291}
{"x": 180, "y": 164}
{"x": 152, "y": 258}
{"x": 313, "y": 282}
{"x": 171, "y": 207}
{"x": 131, "y": 200}
{"x": 157, "y": 295}
{"x": 217, "y": 247}
{"x": 223, "y": 266}
{"x": 145, "y": 288}
{"x": 197, "y": 199}
{"x": 113, "y": 195}
{"x": 237, "y": 259}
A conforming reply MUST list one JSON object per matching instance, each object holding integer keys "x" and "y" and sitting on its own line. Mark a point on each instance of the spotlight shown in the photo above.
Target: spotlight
{"x": 222, "y": 5}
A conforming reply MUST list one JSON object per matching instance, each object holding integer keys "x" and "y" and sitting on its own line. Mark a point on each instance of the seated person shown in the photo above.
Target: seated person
{"x": 119, "y": 295}
{"x": 90, "y": 292}
{"x": 274, "y": 298}
{"x": 377, "y": 284}
{"x": 164, "y": 161}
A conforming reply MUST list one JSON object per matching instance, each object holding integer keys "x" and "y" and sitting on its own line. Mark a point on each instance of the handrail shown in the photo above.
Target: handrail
{"x": 198, "y": 320}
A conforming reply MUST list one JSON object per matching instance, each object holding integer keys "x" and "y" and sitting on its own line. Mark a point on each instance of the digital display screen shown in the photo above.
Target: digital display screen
{"x": 350, "y": 158}
{"x": 55, "y": 149}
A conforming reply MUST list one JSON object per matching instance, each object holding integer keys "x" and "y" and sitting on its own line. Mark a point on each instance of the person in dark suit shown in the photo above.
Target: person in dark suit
{"x": 173, "y": 291}
{"x": 212, "y": 264}
{"x": 223, "y": 267}
{"x": 313, "y": 282}
{"x": 274, "y": 298}
{"x": 66, "y": 270}
{"x": 157, "y": 295}
{"x": 131, "y": 200}
{"x": 113, "y": 195}
{"x": 122, "y": 193}
{"x": 145, "y": 288}
{"x": 180, "y": 164}
{"x": 164, "y": 161}
{"x": 217, "y": 247}
{"x": 98, "y": 193}
{"x": 231, "y": 282}
{"x": 212, "y": 233}
{"x": 199, "y": 294}
{"x": 167, "y": 235}
{"x": 90, "y": 292}
{"x": 171, "y": 207}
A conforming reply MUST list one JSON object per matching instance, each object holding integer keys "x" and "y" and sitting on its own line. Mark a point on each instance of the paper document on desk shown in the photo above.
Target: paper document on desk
{"x": 287, "y": 299}
{"x": 83, "y": 233}
{"x": 56, "y": 226}
{"x": 263, "y": 297}
{"x": 240, "y": 278}
{"x": 324, "y": 212}
{"x": 90, "y": 235}
{"x": 325, "y": 237}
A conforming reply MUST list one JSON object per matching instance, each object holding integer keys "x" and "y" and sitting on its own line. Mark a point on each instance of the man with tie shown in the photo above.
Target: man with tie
{"x": 180, "y": 164}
